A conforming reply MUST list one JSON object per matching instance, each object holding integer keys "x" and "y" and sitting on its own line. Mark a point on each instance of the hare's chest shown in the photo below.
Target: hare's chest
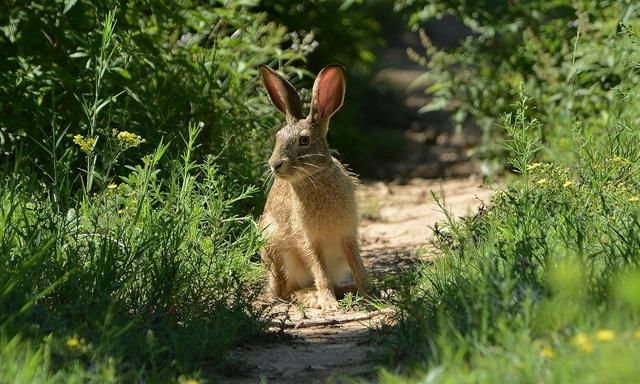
{"x": 332, "y": 252}
{"x": 331, "y": 210}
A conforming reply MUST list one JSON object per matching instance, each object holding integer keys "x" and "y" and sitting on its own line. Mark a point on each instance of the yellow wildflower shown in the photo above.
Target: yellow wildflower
{"x": 618, "y": 159}
{"x": 86, "y": 145}
{"x": 582, "y": 341}
{"x": 129, "y": 140}
{"x": 73, "y": 342}
{"x": 547, "y": 351}
{"x": 184, "y": 380}
{"x": 605, "y": 335}
{"x": 541, "y": 181}
{"x": 567, "y": 183}
{"x": 112, "y": 186}
{"x": 633, "y": 199}
{"x": 533, "y": 166}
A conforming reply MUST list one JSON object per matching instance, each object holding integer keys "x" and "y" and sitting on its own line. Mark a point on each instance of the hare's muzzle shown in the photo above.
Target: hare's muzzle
{"x": 277, "y": 165}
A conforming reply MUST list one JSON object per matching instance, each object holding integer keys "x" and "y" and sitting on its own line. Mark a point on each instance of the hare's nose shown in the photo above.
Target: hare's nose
{"x": 277, "y": 164}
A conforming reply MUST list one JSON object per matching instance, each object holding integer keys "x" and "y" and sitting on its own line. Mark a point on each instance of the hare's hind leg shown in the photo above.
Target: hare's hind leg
{"x": 352, "y": 253}
{"x": 276, "y": 278}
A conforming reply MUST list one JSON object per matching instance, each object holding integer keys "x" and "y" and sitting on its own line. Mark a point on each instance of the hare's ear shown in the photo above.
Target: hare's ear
{"x": 282, "y": 94}
{"x": 328, "y": 94}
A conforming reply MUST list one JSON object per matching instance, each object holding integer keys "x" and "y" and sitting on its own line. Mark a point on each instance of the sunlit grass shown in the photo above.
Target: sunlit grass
{"x": 541, "y": 287}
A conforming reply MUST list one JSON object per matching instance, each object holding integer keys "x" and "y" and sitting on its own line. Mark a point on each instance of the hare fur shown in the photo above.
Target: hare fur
{"x": 310, "y": 218}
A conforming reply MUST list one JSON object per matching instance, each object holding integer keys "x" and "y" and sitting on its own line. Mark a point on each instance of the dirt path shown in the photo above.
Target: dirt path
{"x": 315, "y": 347}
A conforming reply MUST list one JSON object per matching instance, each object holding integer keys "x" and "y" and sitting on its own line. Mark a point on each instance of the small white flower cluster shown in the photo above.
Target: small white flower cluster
{"x": 306, "y": 45}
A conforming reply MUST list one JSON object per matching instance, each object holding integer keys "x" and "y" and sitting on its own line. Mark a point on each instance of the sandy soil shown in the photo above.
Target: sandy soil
{"x": 309, "y": 346}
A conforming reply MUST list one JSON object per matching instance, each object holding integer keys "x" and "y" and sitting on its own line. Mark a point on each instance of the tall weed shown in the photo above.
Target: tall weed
{"x": 151, "y": 270}
{"x": 546, "y": 277}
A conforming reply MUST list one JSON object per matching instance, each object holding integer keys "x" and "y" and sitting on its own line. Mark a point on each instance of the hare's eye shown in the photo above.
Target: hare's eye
{"x": 304, "y": 140}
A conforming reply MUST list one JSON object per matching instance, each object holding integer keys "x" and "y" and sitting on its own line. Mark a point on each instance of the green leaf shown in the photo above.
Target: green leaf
{"x": 435, "y": 105}
{"x": 78, "y": 54}
{"x": 68, "y": 4}
{"x": 122, "y": 72}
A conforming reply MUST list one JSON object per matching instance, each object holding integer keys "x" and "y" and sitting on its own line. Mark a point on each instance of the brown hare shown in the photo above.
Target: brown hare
{"x": 310, "y": 218}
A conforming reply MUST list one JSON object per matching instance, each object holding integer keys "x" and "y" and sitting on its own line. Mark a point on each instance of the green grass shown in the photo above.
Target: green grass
{"x": 149, "y": 277}
{"x": 543, "y": 285}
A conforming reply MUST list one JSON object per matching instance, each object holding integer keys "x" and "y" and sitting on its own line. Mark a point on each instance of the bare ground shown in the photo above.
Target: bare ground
{"x": 311, "y": 346}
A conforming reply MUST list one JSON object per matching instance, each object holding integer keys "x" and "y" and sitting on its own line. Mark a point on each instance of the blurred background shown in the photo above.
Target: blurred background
{"x": 428, "y": 81}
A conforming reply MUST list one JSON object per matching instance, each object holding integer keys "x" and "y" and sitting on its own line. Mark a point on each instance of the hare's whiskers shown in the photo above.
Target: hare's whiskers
{"x": 313, "y": 165}
{"x": 311, "y": 155}
{"x": 307, "y": 173}
{"x": 268, "y": 182}
{"x": 267, "y": 176}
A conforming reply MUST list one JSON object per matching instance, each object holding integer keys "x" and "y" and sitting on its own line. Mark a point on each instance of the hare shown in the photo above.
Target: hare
{"x": 310, "y": 217}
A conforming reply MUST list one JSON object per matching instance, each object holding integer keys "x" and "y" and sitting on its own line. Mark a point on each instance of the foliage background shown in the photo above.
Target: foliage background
{"x": 168, "y": 63}
{"x": 572, "y": 57}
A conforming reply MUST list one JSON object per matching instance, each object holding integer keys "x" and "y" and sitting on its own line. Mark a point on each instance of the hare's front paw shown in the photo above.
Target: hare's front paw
{"x": 308, "y": 298}
{"x": 327, "y": 301}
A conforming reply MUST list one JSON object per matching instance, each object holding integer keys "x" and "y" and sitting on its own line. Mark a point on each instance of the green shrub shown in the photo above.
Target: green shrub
{"x": 549, "y": 269}
{"x": 573, "y": 57}
{"x": 152, "y": 270}
{"x": 150, "y": 69}
{"x": 342, "y": 32}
